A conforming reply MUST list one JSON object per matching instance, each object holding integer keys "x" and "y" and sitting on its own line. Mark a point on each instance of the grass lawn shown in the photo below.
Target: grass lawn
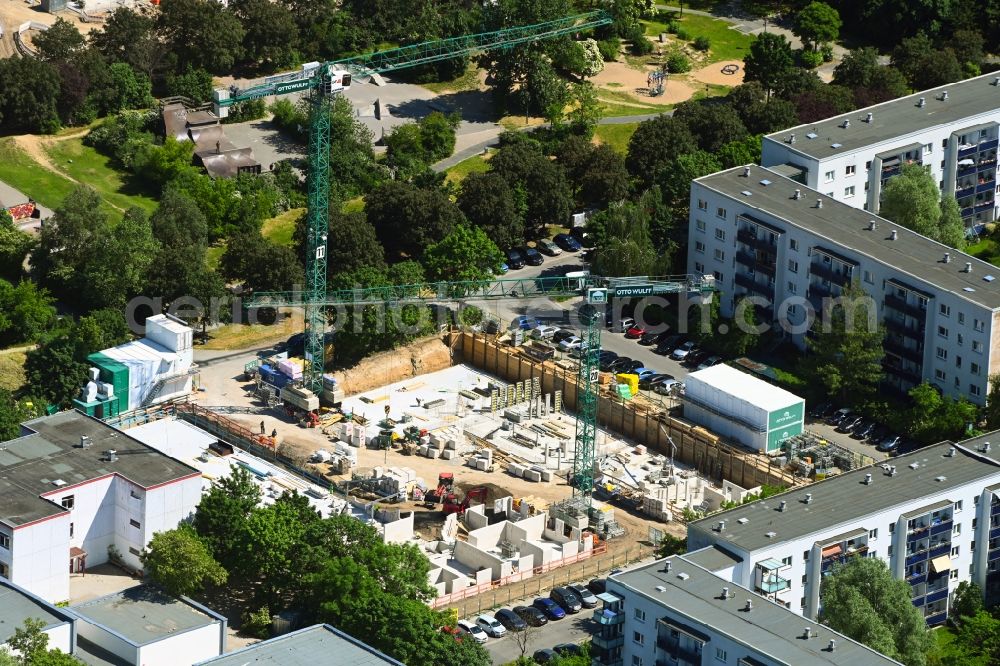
{"x": 467, "y": 81}
{"x": 474, "y": 164}
{"x": 355, "y": 205}
{"x": 86, "y": 165}
{"x": 23, "y": 173}
{"x": 616, "y": 136}
{"x": 615, "y": 103}
{"x": 280, "y": 229}
{"x": 725, "y": 43}
{"x": 12, "y": 375}
{"x": 944, "y": 648}
{"x": 213, "y": 255}
{"x": 241, "y": 336}
{"x": 987, "y": 250}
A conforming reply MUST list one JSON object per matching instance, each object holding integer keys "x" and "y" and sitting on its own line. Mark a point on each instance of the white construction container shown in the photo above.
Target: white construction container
{"x": 738, "y": 406}
{"x": 169, "y": 332}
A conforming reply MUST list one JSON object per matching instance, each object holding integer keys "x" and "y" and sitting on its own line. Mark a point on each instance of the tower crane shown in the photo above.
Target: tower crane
{"x": 324, "y": 80}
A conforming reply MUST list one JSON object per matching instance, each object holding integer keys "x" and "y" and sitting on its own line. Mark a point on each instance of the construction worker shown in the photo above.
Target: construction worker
{"x": 262, "y": 431}
{"x": 274, "y": 434}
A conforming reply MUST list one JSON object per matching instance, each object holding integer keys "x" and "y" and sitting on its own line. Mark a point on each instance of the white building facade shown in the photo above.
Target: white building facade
{"x": 69, "y": 503}
{"x": 933, "y": 516}
{"x": 765, "y": 236}
{"x": 952, "y": 131}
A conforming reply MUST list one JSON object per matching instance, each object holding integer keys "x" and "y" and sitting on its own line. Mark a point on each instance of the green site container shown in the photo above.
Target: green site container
{"x": 115, "y": 373}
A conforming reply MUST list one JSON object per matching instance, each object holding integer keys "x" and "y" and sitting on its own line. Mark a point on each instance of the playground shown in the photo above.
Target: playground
{"x": 653, "y": 87}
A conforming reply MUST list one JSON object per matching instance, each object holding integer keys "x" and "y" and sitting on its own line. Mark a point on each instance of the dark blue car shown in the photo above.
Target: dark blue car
{"x": 550, "y": 608}
{"x": 567, "y": 242}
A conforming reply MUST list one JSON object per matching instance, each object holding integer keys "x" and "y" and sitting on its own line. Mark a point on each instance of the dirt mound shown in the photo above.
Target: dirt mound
{"x": 423, "y": 356}
{"x": 493, "y": 491}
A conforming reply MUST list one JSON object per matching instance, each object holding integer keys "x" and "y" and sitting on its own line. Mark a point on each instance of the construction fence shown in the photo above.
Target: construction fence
{"x": 644, "y": 423}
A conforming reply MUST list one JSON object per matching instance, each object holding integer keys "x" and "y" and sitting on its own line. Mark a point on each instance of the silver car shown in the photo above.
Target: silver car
{"x": 491, "y": 626}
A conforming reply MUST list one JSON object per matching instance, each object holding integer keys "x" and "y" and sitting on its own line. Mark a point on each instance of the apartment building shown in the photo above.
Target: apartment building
{"x": 73, "y": 489}
{"x": 932, "y": 515}
{"x": 676, "y": 612}
{"x": 951, "y": 130}
{"x": 764, "y": 235}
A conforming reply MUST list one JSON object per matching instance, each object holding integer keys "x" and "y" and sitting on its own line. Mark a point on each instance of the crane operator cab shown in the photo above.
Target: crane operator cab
{"x": 336, "y": 81}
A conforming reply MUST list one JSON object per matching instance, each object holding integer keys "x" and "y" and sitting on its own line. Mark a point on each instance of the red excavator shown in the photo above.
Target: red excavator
{"x": 453, "y": 505}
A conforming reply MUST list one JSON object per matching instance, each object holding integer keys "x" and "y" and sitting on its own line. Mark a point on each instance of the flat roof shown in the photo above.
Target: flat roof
{"x": 18, "y": 605}
{"x": 744, "y": 386}
{"x": 319, "y": 645}
{"x": 846, "y": 500}
{"x": 36, "y": 463}
{"x": 896, "y": 118}
{"x": 713, "y": 558}
{"x": 143, "y": 614}
{"x": 911, "y": 254}
{"x": 768, "y": 628}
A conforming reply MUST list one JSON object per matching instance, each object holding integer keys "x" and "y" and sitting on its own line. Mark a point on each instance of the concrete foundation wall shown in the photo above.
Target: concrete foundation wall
{"x": 487, "y": 536}
{"x": 472, "y": 557}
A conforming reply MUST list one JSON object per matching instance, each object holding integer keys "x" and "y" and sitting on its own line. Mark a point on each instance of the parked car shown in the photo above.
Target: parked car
{"x": 532, "y": 615}
{"x": 650, "y": 381}
{"x": 625, "y": 365}
{"x": 532, "y": 257}
{"x": 598, "y": 585}
{"x": 849, "y": 423}
{"x": 524, "y": 323}
{"x": 667, "y": 387}
{"x": 503, "y": 268}
{"x": 545, "y": 246}
{"x": 667, "y": 347}
{"x": 551, "y": 609}
{"x": 635, "y": 332}
{"x": 491, "y": 626}
{"x": 838, "y": 416}
{"x": 514, "y": 260}
{"x": 569, "y": 344}
{"x": 544, "y": 332}
{"x": 709, "y": 362}
{"x": 473, "y": 629}
{"x": 544, "y": 656}
{"x": 567, "y": 649}
{"x": 621, "y": 325}
{"x": 878, "y": 434}
{"x": 644, "y": 372}
{"x": 890, "y": 444}
{"x": 821, "y": 410}
{"x": 510, "y": 620}
{"x": 694, "y": 359}
{"x": 682, "y": 352}
{"x": 562, "y": 334}
{"x": 864, "y": 430}
{"x": 567, "y": 599}
{"x": 587, "y": 597}
{"x": 567, "y": 242}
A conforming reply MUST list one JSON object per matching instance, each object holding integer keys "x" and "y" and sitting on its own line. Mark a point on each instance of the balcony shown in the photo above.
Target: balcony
{"x": 967, "y": 212}
{"x": 966, "y": 152}
{"x": 842, "y": 278}
{"x": 748, "y": 283}
{"x": 941, "y": 528}
{"x": 900, "y": 305}
{"x": 889, "y": 172}
{"x": 988, "y": 186}
{"x": 915, "y": 356}
{"x": 907, "y": 375}
{"x": 750, "y": 238}
{"x": 966, "y": 171}
{"x": 986, "y": 205}
{"x": 683, "y": 655}
{"x": 939, "y": 550}
{"x": 987, "y": 144}
{"x": 607, "y": 617}
{"x": 608, "y": 643}
{"x": 965, "y": 192}
{"x": 747, "y": 259}
{"x": 773, "y": 585}
{"x": 939, "y": 618}
{"x": 995, "y": 509}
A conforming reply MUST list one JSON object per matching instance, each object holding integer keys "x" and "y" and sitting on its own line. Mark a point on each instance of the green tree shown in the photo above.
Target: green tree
{"x": 978, "y": 640}
{"x": 546, "y": 189}
{"x": 676, "y": 176}
{"x": 195, "y": 84}
{"x": 933, "y": 417}
{"x": 489, "y": 203}
{"x": 923, "y": 64}
{"x": 67, "y": 241}
{"x": 769, "y": 59}
{"x": 161, "y": 164}
{"x": 863, "y": 601}
{"x": 131, "y": 37}
{"x": 670, "y": 545}
{"x": 117, "y": 270}
{"x": 35, "y": 106}
{"x": 14, "y": 248}
{"x": 991, "y": 413}
{"x": 14, "y": 412}
{"x": 201, "y": 33}
{"x": 759, "y": 114}
{"x": 260, "y": 264}
{"x": 466, "y": 253}
{"x": 125, "y": 90}
{"x": 353, "y": 168}
{"x": 222, "y": 513}
{"x": 912, "y": 200}
{"x": 179, "y": 561}
{"x": 742, "y": 151}
{"x": 28, "y": 311}
{"x": 407, "y": 219}
{"x": 656, "y": 143}
{"x": 437, "y": 134}
{"x": 712, "y": 125}
{"x": 849, "y": 330}
{"x": 99, "y": 330}
{"x": 816, "y": 24}
{"x": 622, "y": 243}
{"x": 60, "y": 42}
{"x": 951, "y": 229}
{"x": 31, "y": 643}
{"x": 586, "y": 109}
{"x": 967, "y": 602}
{"x": 271, "y": 34}
{"x": 357, "y": 243}
{"x": 405, "y": 153}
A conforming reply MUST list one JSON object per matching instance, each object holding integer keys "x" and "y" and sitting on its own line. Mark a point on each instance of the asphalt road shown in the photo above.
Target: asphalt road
{"x": 571, "y": 629}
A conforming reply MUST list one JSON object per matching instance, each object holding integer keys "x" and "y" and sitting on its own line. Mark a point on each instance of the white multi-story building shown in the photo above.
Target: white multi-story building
{"x": 932, "y": 515}
{"x": 676, "y": 612}
{"x": 951, "y": 130}
{"x": 73, "y": 489}
{"x": 766, "y": 236}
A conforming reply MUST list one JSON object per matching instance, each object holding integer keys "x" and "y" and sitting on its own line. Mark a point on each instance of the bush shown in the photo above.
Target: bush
{"x": 827, "y": 52}
{"x": 673, "y": 26}
{"x": 683, "y": 34}
{"x": 257, "y": 624}
{"x": 639, "y": 44}
{"x": 609, "y": 48}
{"x": 702, "y": 43}
{"x": 678, "y": 63}
{"x": 241, "y": 112}
{"x": 810, "y": 59}
{"x": 289, "y": 117}
{"x": 121, "y": 136}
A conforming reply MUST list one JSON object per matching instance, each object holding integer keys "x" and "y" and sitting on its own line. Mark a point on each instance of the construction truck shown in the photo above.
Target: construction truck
{"x": 453, "y": 505}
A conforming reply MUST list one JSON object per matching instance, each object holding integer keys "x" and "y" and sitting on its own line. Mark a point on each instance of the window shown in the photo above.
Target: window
{"x": 5, "y": 541}
{"x": 791, "y": 288}
{"x": 960, "y": 338}
{"x": 702, "y": 204}
{"x": 699, "y": 267}
{"x": 892, "y": 527}
{"x": 638, "y": 638}
{"x": 793, "y": 266}
{"x": 640, "y": 615}
{"x": 700, "y": 224}
{"x": 719, "y": 255}
{"x": 940, "y": 376}
{"x": 869, "y": 277}
{"x": 953, "y": 574}
{"x": 636, "y": 661}
{"x": 978, "y": 326}
{"x": 787, "y": 561}
{"x": 71, "y": 530}
{"x": 802, "y": 602}
{"x": 890, "y": 550}
{"x": 134, "y": 494}
{"x": 69, "y": 502}
{"x": 720, "y": 654}
{"x": 942, "y": 332}
{"x": 958, "y": 359}
{"x": 868, "y": 165}
{"x": 720, "y": 212}
{"x": 954, "y": 551}
{"x": 958, "y": 506}
{"x": 961, "y": 318}
{"x": 945, "y": 310}
{"x": 134, "y": 551}
{"x": 804, "y": 578}
{"x": 974, "y": 368}
{"x": 699, "y": 246}
{"x": 794, "y": 245}
{"x": 849, "y": 192}
{"x": 134, "y": 523}
{"x": 942, "y": 353}
{"x": 849, "y": 170}
{"x": 718, "y": 275}
{"x": 805, "y": 555}
{"x": 957, "y": 529}
{"x": 829, "y": 176}
{"x": 720, "y": 234}
{"x": 944, "y": 143}
{"x": 977, "y": 346}
{"x": 873, "y": 534}
{"x": 974, "y": 390}
{"x": 928, "y": 148}
{"x": 4, "y": 571}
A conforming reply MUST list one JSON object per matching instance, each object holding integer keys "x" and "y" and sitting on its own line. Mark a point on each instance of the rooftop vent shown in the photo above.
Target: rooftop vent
{"x": 968, "y": 267}
{"x": 951, "y": 452}
{"x": 683, "y": 576}
{"x": 832, "y": 645}
{"x": 986, "y": 447}
{"x": 807, "y": 633}
{"x": 811, "y": 135}
{"x": 770, "y": 535}
{"x": 944, "y": 96}
{"x": 797, "y": 195}
{"x": 893, "y": 234}
{"x": 845, "y": 124}
{"x": 111, "y": 455}
{"x": 868, "y": 479}
{"x": 988, "y": 278}
{"x": 914, "y": 465}
{"x": 747, "y": 193}
{"x": 808, "y": 498}
{"x": 947, "y": 257}
{"x": 666, "y": 566}
{"x": 721, "y": 526}
{"x": 939, "y": 479}
{"x": 869, "y": 117}
{"x": 892, "y": 470}
{"x": 765, "y": 182}
{"x": 836, "y": 145}
{"x": 749, "y": 606}
{"x": 996, "y": 81}
{"x": 872, "y": 225}
{"x": 85, "y": 441}
{"x": 819, "y": 203}
{"x": 782, "y": 505}
{"x": 921, "y": 102}
{"x": 743, "y": 521}
{"x": 791, "y": 138}
{"x": 726, "y": 594}
{"x": 746, "y": 172}
{"x": 661, "y": 588}
{"x": 58, "y": 483}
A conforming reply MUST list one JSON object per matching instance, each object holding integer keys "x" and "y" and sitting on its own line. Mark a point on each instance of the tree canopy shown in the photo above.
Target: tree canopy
{"x": 912, "y": 200}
